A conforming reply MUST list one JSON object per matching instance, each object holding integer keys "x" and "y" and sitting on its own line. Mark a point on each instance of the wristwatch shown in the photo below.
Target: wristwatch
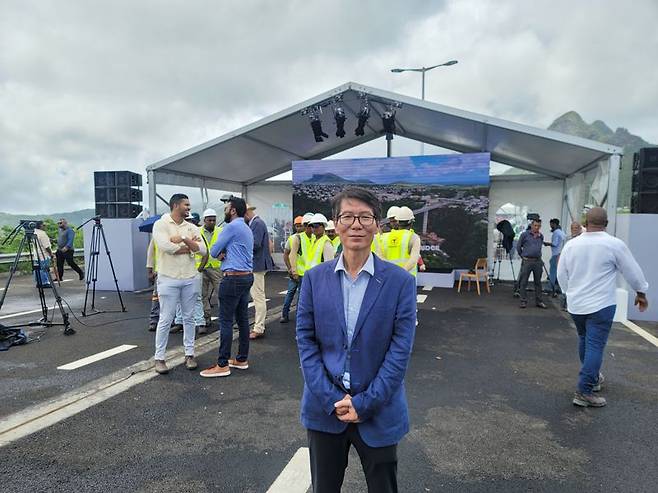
{"x": 183, "y": 238}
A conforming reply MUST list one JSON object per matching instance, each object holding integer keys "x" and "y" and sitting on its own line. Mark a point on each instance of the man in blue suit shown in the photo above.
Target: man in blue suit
{"x": 355, "y": 328}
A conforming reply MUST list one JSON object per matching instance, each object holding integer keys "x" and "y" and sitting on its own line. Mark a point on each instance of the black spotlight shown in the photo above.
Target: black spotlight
{"x": 316, "y": 126}
{"x": 388, "y": 121}
{"x": 364, "y": 114}
{"x": 339, "y": 116}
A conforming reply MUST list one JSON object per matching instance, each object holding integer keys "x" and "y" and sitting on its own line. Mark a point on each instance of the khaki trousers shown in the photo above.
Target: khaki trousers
{"x": 258, "y": 295}
{"x": 209, "y": 284}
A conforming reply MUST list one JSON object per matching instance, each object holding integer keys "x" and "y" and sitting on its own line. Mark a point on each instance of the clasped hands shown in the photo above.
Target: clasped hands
{"x": 345, "y": 411}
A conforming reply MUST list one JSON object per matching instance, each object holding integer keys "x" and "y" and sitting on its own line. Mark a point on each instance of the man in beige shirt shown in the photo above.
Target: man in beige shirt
{"x": 44, "y": 255}
{"x": 177, "y": 241}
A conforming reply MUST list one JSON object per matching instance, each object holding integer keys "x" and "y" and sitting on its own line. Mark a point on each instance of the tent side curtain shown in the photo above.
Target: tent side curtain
{"x": 178, "y": 179}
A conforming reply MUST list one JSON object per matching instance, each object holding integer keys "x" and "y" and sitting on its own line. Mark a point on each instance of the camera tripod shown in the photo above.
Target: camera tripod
{"x": 499, "y": 255}
{"x": 30, "y": 244}
{"x": 97, "y": 234}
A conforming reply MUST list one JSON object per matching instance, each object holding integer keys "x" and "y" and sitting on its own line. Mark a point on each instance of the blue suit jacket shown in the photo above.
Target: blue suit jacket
{"x": 262, "y": 258}
{"x": 380, "y": 350}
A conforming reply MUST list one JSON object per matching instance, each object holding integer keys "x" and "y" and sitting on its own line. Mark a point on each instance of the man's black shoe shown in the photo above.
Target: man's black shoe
{"x": 524, "y": 304}
{"x": 284, "y": 320}
{"x": 542, "y": 305}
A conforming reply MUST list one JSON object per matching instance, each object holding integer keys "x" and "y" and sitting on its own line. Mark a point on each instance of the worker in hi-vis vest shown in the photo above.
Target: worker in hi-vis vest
{"x": 377, "y": 242}
{"x": 209, "y": 267}
{"x": 402, "y": 246}
{"x": 330, "y": 230}
{"x": 152, "y": 272}
{"x": 321, "y": 250}
{"x": 300, "y": 244}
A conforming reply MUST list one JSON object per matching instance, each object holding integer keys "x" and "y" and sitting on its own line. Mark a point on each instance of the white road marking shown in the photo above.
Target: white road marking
{"x": 283, "y": 292}
{"x": 296, "y": 476}
{"x": 20, "y": 313}
{"x": 641, "y": 332}
{"x": 420, "y": 298}
{"x": 427, "y": 288}
{"x": 96, "y": 357}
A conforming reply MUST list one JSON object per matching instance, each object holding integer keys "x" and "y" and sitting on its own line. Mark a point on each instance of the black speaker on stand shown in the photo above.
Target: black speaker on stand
{"x": 118, "y": 194}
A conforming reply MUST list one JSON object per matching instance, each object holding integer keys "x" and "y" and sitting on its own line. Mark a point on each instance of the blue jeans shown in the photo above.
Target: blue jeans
{"x": 234, "y": 302}
{"x": 292, "y": 289}
{"x": 552, "y": 272}
{"x": 593, "y": 331}
{"x": 42, "y": 273}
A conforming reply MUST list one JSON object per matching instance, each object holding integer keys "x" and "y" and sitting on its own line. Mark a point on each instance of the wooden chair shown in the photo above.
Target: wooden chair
{"x": 477, "y": 274}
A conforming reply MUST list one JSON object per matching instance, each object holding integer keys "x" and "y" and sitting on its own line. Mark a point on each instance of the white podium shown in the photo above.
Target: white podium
{"x": 127, "y": 246}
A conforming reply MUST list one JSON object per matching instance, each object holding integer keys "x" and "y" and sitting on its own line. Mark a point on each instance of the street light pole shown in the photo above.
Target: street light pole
{"x": 422, "y": 71}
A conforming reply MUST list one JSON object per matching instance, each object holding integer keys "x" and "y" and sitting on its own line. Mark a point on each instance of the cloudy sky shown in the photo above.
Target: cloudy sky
{"x": 89, "y": 85}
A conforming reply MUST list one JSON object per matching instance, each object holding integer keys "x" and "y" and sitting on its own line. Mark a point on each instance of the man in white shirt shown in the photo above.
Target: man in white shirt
{"x": 177, "y": 241}
{"x": 587, "y": 272}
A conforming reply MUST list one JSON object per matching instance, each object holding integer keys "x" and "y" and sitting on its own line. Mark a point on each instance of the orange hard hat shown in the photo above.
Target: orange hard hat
{"x": 299, "y": 219}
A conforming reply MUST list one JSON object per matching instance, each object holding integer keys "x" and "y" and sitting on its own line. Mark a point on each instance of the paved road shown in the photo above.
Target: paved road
{"x": 489, "y": 388}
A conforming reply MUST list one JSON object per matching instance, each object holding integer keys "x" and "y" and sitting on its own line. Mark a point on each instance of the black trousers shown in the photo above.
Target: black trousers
{"x": 68, "y": 257}
{"x": 528, "y": 266}
{"x": 329, "y": 454}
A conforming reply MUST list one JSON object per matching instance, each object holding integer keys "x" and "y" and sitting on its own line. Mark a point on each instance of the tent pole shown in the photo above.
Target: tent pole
{"x": 389, "y": 145}
{"x": 153, "y": 201}
{"x": 614, "y": 163}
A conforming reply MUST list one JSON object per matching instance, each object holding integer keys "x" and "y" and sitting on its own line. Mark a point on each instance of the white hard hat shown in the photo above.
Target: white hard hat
{"x": 393, "y": 211}
{"x": 405, "y": 214}
{"x": 330, "y": 226}
{"x": 318, "y": 219}
{"x": 306, "y": 219}
{"x": 209, "y": 213}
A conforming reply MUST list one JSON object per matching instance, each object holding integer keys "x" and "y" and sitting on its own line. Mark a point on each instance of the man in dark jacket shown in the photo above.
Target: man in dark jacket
{"x": 262, "y": 263}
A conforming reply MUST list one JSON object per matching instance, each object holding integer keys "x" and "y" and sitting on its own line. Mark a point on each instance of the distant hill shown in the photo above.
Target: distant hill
{"x": 332, "y": 178}
{"x": 75, "y": 217}
{"x": 572, "y": 123}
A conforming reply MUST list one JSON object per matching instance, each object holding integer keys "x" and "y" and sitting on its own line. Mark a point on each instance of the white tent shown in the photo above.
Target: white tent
{"x": 587, "y": 171}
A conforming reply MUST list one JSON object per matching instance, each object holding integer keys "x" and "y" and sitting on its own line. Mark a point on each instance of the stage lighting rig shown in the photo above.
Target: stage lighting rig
{"x": 388, "y": 121}
{"x": 363, "y": 115}
{"x": 314, "y": 114}
{"x": 339, "y": 116}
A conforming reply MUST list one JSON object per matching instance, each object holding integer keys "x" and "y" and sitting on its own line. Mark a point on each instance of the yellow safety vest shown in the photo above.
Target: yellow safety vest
{"x": 155, "y": 257}
{"x": 212, "y": 261}
{"x": 336, "y": 242}
{"x": 378, "y": 240}
{"x": 315, "y": 252}
{"x": 396, "y": 247}
{"x": 302, "y": 256}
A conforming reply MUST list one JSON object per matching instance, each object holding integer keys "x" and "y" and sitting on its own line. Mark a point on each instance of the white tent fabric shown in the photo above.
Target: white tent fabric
{"x": 266, "y": 148}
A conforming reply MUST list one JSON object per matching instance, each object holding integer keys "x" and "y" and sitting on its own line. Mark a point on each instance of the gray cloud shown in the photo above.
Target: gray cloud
{"x": 97, "y": 85}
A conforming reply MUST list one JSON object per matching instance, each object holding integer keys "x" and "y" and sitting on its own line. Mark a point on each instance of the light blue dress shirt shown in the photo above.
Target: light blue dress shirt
{"x": 353, "y": 292}
{"x": 557, "y": 242}
{"x": 237, "y": 240}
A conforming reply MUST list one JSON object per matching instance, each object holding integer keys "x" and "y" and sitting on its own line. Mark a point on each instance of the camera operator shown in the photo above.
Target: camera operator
{"x": 529, "y": 248}
{"x": 44, "y": 255}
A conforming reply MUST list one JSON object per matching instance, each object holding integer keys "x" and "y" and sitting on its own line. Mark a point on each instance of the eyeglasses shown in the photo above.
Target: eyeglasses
{"x": 348, "y": 219}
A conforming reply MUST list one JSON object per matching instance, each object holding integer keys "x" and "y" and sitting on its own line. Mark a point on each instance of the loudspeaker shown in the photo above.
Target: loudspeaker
{"x": 104, "y": 179}
{"x": 644, "y": 198}
{"x": 127, "y": 194}
{"x": 128, "y": 179}
{"x": 118, "y": 211}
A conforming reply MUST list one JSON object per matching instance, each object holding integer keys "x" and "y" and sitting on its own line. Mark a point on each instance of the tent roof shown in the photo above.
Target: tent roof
{"x": 266, "y": 148}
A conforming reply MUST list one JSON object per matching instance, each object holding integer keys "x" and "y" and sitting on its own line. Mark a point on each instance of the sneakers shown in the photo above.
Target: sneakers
{"x": 256, "y": 335}
{"x": 190, "y": 363}
{"x": 542, "y": 305}
{"x": 284, "y": 320}
{"x": 240, "y": 365}
{"x": 161, "y": 367}
{"x": 216, "y": 371}
{"x": 597, "y": 385}
{"x": 524, "y": 304}
{"x": 153, "y": 327}
{"x": 176, "y": 328}
{"x": 585, "y": 400}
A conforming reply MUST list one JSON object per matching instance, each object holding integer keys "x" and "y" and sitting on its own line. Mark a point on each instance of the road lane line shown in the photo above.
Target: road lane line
{"x": 427, "y": 288}
{"x": 420, "y": 298}
{"x": 296, "y": 476}
{"x": 20, "y": 313}
{"x": 641, "y": 332}
{"x": 96, "y": 357}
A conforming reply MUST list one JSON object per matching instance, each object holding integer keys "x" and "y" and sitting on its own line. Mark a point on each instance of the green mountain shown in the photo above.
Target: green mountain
{"x": 572, "y": 123}
{"x": 75, "y": 218}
